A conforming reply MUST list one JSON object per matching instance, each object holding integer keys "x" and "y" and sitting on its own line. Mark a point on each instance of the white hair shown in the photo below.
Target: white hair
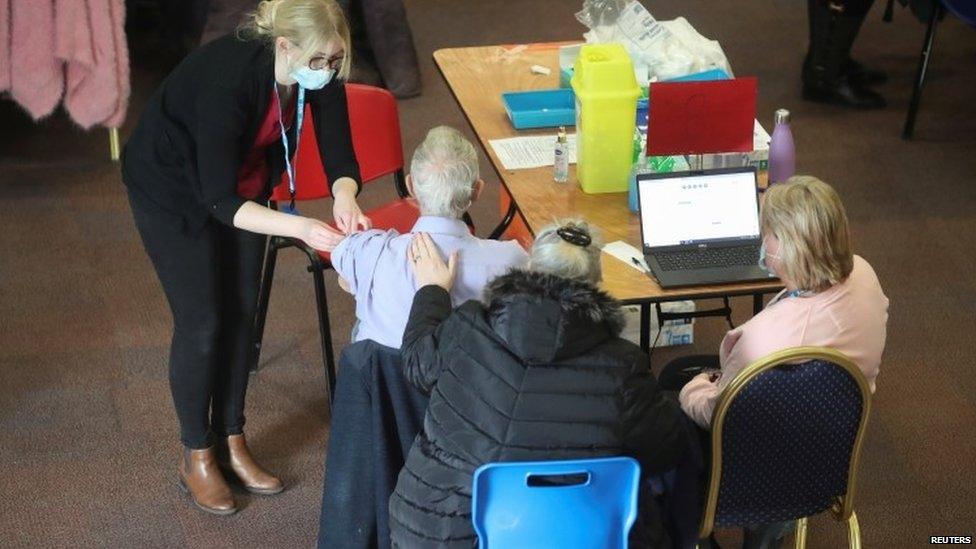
{"x": 554, "y": 255}
{"x": 444, "y": 170}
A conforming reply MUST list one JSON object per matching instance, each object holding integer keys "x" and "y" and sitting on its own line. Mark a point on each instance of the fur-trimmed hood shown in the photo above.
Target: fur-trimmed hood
{"x": 544, "y": 317}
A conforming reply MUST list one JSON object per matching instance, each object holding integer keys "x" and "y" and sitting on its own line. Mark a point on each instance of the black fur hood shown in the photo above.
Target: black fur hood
{"x": 545, "y": 317}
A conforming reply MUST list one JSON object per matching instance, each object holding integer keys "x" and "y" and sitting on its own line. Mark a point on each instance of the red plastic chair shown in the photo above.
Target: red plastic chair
{"x": 375, "y": 129}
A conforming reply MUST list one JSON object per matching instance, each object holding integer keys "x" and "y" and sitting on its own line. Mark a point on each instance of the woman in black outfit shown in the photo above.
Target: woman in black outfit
{"x": 830, "y": 75}
{"x": 199, "y": 168}
{"x": 537, "y": 372}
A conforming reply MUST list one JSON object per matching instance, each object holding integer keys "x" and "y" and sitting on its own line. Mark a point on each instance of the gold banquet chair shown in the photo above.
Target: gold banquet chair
{"x": 786, "y": 442}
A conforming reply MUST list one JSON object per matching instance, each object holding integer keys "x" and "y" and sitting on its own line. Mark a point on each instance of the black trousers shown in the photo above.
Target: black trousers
{"x": 376, "y": 416}
{"x": 673, "y": 377}
{"x": 211, "y": 281}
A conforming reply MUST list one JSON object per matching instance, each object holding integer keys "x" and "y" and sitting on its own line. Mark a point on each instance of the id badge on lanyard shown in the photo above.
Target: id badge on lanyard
{"x": 299, "y": 116}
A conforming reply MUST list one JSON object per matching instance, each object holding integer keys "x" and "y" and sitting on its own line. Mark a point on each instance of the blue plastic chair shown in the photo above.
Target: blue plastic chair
{"x": 786, "y": 440}
{"x": 588, "y": 503}
{"x": 963, "y": 9}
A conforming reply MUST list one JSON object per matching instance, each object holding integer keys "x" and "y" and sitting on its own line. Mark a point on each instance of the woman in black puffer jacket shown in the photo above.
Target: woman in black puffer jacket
{"x": 537, "y": 372}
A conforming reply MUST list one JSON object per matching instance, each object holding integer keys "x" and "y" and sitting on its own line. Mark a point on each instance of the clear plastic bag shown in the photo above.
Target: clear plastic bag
{"x": 659, "y": 49}
{"x": 600, "y": 13}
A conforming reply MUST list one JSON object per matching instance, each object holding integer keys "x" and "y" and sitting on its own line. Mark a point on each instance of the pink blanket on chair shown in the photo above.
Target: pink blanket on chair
{"x": 71, "y": 48}
{"x": 36, "y": 75}
{"x": 91, "y": 42}
{"x": 4, "y": 45}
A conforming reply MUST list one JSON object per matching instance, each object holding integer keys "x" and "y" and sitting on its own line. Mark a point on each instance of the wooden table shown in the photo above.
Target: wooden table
{"x": 477, "y": 76}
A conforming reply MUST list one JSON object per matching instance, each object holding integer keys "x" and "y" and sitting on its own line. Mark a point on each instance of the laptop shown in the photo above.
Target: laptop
{"x": 701, "y": 227}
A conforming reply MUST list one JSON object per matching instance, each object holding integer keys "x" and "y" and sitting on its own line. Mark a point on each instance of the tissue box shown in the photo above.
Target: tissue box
{"x": 759, "y": 157}
{"x": 674, "y": 332}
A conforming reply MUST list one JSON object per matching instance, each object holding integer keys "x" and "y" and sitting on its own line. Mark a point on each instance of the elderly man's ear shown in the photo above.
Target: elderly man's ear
{"x": 479, "y": 186}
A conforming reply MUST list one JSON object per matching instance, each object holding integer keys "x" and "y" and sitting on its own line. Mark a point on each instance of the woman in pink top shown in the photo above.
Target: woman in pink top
{"x": 832, "y": 297}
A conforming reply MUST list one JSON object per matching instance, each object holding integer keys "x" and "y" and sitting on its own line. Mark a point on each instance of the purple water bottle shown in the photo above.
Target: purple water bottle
{"x": 782, "y": 154}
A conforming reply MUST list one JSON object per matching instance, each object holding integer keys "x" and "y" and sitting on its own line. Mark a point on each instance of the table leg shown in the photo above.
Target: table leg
{"x": 757, "y": 303}
{"x": 645, "y": 326}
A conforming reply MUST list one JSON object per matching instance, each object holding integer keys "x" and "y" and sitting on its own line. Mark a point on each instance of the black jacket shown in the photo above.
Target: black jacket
{"x": 184, "y": 155}
{"x": 539, "y": 374}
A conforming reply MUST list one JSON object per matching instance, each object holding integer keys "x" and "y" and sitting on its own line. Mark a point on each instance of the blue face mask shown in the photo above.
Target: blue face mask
{"x": 312, "y": 79}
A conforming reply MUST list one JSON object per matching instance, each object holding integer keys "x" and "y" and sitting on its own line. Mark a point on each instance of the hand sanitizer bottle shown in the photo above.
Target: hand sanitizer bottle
{"x": 782, "y": 154}
{"x": 560, "y": 165}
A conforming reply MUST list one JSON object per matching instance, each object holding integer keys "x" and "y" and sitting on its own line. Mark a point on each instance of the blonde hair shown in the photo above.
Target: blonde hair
{"x": 807, "y": 217}
{"x": 309, "y": 24}
{"x": 551, "y": 254}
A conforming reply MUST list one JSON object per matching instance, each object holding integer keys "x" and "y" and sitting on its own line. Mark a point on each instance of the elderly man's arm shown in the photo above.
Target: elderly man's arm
{"x": 354, "y": 259}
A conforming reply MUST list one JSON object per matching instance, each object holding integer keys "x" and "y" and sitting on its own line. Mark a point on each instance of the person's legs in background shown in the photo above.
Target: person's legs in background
{"x": 241, "y": 256}
{"x": 187, "y": 268}
{"x": 829, "y": 74}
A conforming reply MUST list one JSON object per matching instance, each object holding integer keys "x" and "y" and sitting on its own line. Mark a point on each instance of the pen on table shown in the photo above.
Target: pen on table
{"x": 640, "y": 265}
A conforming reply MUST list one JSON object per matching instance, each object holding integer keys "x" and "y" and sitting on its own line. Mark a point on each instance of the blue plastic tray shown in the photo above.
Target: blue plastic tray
{"x": 541, "y": 108}
{"x": 713, "y": 74}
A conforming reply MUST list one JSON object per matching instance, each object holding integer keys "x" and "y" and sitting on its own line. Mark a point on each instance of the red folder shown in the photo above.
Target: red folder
{"x": 715, "y": 116}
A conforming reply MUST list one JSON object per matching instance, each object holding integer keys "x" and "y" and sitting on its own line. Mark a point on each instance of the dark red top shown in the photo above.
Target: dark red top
{"x": 254, "y": 170}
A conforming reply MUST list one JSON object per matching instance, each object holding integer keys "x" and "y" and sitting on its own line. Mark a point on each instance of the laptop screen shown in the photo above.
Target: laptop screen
{"x": 692, "y": 208}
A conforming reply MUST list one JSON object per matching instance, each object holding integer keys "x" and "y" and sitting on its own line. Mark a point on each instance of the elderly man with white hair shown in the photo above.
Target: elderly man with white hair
{"x": 373, "y": 264}
{"x": 376, "y": 412}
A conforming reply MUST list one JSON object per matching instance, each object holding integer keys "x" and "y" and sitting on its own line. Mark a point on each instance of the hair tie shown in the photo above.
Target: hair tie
{"x": 575, "y": 236}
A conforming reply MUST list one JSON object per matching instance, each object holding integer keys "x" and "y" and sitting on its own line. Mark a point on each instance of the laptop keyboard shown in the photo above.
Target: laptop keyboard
{"x": 707, "y": 258}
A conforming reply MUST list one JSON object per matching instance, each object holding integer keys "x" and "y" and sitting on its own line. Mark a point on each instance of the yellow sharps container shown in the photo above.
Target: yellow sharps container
{"x": 606, "y": 109}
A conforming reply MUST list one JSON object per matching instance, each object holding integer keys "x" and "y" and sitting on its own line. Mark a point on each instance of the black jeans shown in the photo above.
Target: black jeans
{"x": 211, "y": 281}
{"x": 673, "y": 377}
{"x": 376, "y": 416}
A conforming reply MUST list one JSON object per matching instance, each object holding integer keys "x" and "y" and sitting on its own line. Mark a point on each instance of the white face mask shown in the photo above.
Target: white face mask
{"x": 763, "y": 264}
{"x": 311, "y": 79}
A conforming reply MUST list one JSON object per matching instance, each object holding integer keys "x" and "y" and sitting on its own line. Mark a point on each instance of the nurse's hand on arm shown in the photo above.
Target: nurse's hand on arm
{"x": 256, "y": 218}
{"x": 348, "y": 217}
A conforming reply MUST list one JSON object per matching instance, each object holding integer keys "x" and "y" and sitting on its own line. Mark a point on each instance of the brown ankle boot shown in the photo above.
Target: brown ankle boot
{"x": 235, "y": 456}
{"x": 200, "y": 476}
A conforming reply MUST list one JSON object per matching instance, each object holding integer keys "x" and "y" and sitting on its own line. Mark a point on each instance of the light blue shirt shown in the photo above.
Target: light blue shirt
{"x": 375, "y": 266}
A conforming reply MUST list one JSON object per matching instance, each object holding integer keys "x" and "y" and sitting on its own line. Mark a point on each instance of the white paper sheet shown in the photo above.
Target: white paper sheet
{"x": 625, "y": 252}
{"x": 518, "y": 153}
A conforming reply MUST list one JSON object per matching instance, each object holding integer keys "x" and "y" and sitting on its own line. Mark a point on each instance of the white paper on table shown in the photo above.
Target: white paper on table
{"x": 625, "y": 252}
{"x": 517, "y": 153}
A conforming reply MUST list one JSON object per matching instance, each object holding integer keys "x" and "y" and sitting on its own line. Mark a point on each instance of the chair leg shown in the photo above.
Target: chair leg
{"x": 264, "y": 296}
{"x": 923, "y": 66}
{"x": 499, "y": 230}
{"x": 113, "y": 144}
{"x": 854, "y": 529}
{"x": 801, "y": 533}
{"x": 325, "y": 330}
{"x": 468, "y": 221}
